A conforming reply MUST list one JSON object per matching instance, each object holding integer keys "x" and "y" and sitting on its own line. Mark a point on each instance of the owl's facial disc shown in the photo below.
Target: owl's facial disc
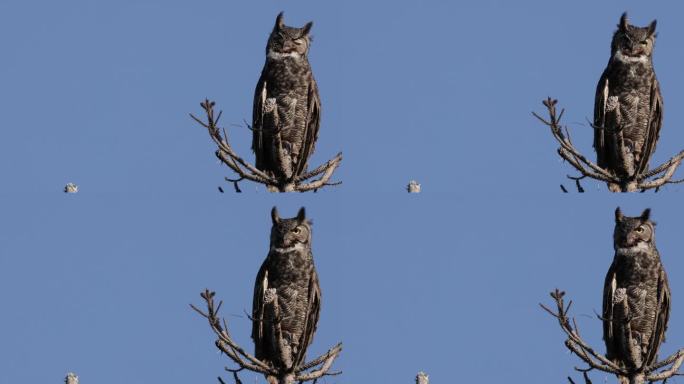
{"x": 633, "y": 44}
{"x": 290, "y": 236}
{"x": 637, "y": 238}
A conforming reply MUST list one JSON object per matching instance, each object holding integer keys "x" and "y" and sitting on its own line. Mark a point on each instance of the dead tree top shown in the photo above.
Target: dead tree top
{"x": 309, "y": 181}
{"x": 307, "y": 371}
{"x": 650, "y": 179}
{"x": 659, "y": 371}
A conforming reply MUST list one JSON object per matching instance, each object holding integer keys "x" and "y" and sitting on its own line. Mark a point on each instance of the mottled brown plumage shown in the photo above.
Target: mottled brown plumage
{"x": 628, "y": 106}
{"x": 289, "y": 269}
{"x": 286, "y": 104}
{"x": 636, "y": 275}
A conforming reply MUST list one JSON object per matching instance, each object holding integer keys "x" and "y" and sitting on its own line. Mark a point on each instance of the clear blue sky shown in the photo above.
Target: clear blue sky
{"x": 447, "y": 281}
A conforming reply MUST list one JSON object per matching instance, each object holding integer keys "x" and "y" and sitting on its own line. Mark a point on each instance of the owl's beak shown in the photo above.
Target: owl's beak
{"x": 632, "y": 52}
{"x": 631, "y": 241}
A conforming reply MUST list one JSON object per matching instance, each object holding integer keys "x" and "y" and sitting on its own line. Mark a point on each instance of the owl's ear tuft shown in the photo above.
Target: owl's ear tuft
{"x": 624, "y": 22}
{"x": 307, "y": 28}
{"x": 646, "y": 214}
{"x": 652, "y": 27}
{"x": 280, "y": 23}
{"x": 274, "y": 215}
{"x": 301, "y": 215}
{"x": 618, "y": 215}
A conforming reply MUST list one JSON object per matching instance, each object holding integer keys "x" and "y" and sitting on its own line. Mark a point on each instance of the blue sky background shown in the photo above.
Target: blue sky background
{"x": 447, "y": 281}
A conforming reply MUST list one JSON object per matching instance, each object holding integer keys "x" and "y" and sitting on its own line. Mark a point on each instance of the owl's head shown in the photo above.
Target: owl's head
{"x": 288, "y": 41}
{"x": 632, "y": 43}
{"x": 287, "y": 233}
{"x": 631, "y": 232}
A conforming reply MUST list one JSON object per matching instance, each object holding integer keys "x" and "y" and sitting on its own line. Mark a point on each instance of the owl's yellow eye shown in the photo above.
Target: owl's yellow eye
{"x": 296, "y": 231}
{"x": 644, "y": 42}
{"x": 640, "y": 230}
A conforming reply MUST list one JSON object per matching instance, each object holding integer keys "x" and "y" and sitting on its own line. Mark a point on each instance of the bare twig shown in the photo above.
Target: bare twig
{"x": 312, "y": 180}
{"x": 597, "y": 361}
{"x": 585, "y": 375}
{"x": 310, "y": 371}
{"x": 653, "y": 179}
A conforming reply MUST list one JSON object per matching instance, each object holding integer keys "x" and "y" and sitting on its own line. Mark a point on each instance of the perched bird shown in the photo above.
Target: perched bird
{"x": 636, "y": 293}
{"x": 628, "y": 107}
{"x": 288, "y": 275}
{"x": 287, "y": 108}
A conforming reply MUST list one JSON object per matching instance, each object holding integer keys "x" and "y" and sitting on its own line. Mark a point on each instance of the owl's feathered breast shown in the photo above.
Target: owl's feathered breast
{"x": 632, "y": 84}
{"x": 637, "y": 269}
{"x": 293, "y": 275}
{"x": 287, "y": 76}
{"x": 633, "y": 87}
{"x": 289, "y": 81}
{"x": 638, "y": 277}
{"x": 291, "y": 268}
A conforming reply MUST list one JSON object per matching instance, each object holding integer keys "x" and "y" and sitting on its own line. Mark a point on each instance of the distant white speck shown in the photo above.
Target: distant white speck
{"x": 70, "y": 188}
{"x": 422, "y": 378}
{"x": 71, "y": 378}
{"x": 413, "y": 187}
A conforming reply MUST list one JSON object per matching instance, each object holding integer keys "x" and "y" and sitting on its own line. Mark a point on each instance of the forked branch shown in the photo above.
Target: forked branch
{"x": 311, "y": 371}
{"x": 659, "y": 371}
{"x": 313, "y": 180}
{"x": 652, "y": 179}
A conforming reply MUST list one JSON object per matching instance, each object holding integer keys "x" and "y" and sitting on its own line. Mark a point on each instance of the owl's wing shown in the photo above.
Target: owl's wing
{"x": 260, "y": 143}
{"x": 313, "y": 123}
{"x": 260, "y": 286}
{"x": 600, "y": 144}
{"x": 655, "y": 121}
{"x": 311, "y": 320}
{"x": 608, "y": 328}
{"x": 661, "y": 319}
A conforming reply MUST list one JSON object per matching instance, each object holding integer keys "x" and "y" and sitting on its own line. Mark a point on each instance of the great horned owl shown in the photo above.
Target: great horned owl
{"x": 289, "y": 271}
{"x": 637, "y": 277}
{"x": 628, "y": 107}
{"x": 287, "y": 108}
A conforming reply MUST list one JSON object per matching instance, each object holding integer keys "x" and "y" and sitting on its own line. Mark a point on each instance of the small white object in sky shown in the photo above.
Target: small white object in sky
{"x": 71, "y": 378}
{"x": 70, "y": 188}
{"x": 413, "y": 187}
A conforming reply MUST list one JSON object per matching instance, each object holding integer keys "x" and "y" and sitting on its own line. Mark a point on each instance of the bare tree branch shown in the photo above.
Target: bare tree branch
{"x": 309, "y": 371}
{"x": 312, "y": 180}
{"x": 652, "y": 179}
{"x": 597, "y": 361}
